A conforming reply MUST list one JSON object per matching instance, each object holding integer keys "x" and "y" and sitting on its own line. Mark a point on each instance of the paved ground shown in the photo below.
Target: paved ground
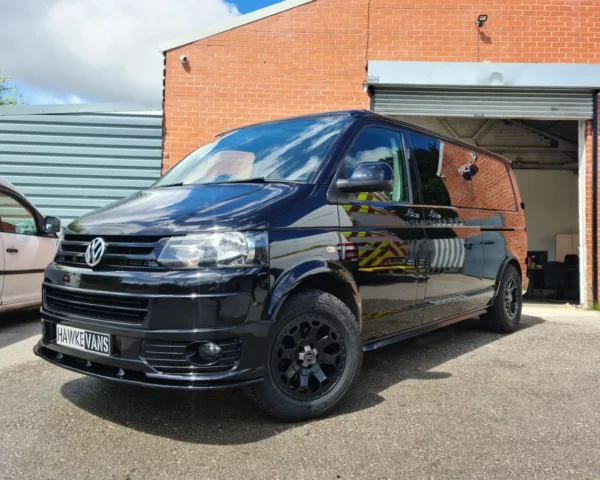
{"x": 458, "y": 403}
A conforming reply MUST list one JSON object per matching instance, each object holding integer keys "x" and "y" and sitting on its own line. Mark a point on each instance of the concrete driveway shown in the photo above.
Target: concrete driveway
{"x": 457, "y": 403}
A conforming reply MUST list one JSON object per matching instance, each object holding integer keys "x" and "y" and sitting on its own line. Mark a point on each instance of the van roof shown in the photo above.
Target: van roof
{"x": 384, "y": 118}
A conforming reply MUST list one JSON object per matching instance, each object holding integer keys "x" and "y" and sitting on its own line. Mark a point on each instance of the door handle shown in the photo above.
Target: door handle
{"x": 410, "y": 213}
{"x": 12, "y": 250}
{"x": 433, "y": 215}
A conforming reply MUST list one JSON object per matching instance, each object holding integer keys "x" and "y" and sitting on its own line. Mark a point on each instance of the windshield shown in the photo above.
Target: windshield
{"x": 291, "y": 150}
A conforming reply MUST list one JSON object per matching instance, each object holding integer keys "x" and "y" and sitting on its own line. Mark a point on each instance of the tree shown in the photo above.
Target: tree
{"x": 9, "y": 93}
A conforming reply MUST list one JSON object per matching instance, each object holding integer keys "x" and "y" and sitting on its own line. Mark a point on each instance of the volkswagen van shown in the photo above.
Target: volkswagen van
{"x": 273, "y": 257}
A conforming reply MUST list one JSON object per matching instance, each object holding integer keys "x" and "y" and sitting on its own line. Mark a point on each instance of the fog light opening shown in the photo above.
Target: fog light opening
{"x": 209, "y": 351}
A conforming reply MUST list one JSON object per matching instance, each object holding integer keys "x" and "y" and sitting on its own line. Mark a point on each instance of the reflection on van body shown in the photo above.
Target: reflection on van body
{"x": 273, "y": 256}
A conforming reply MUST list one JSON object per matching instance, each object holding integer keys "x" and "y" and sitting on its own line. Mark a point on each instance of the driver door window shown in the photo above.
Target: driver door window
{"x": 380, "y": 145}
{"x": 15, "y": 218}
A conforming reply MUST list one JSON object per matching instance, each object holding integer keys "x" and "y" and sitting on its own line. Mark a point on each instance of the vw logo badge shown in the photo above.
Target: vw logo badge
{"x": 95, "y": 252}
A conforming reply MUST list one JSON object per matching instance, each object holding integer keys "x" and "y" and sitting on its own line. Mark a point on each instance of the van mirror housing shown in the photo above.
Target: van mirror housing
{"x": 368, "y": 177}
{"x": 51, "y": 224}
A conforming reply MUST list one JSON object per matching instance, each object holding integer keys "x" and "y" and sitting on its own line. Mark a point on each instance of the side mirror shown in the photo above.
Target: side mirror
{"x": 51, "y": 224}
{"x": 368, "y": 177}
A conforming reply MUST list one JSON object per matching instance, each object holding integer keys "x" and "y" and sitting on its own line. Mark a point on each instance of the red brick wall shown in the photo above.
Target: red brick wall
{"x": 312, "y": 58}
{"x": 588, "y": 209}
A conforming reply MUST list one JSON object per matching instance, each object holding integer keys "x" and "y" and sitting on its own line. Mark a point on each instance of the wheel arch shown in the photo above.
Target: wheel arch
{"x": 318, "y": 275}
{"x": 507, "y": 261}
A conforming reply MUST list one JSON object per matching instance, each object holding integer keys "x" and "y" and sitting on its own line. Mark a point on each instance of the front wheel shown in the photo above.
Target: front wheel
{"x": 314, "y": 356}
{"x": 504, "y": 314}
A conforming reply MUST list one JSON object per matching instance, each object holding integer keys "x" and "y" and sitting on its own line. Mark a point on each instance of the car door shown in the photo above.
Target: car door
{"x": 454, "y": 250}
{"x": 381, "y": 237}
{"x": 26, "y": 250}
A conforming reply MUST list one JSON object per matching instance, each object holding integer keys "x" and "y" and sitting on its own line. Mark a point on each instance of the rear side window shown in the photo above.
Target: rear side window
{"x": 444, "y": 172}
{"x": 381, "y": 145}
{"x": 492, "y": 184}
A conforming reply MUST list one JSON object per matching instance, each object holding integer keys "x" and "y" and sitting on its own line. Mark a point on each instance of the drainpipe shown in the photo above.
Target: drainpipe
{"x": 595, "y": 199}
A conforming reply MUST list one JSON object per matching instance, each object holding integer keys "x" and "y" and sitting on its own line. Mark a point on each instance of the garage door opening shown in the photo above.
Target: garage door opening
{"x": 547, "y": 159}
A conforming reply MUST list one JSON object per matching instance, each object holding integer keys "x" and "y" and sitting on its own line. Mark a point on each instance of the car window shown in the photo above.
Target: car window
{"x": 445, "y": 171}
{"x": 14, "y": 217}
{"x": 381, "y": 145}
{"x": 427, "y": 151}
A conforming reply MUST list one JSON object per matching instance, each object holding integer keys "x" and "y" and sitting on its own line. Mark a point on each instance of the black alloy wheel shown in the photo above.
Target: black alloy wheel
{"x": 511, "y": 299}
{"x": 314, "y": 356}
{"x": 504, "y": 313}
{"x": 308, "y": 357}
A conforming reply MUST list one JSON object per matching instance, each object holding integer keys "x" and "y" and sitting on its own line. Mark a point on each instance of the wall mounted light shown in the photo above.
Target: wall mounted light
{"x": 481, "y": 20}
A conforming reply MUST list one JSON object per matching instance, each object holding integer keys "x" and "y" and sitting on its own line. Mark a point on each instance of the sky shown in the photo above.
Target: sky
{"x": 95, "y": 51}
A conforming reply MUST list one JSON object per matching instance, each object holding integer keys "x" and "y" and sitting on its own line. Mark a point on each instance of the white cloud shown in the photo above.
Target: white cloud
{"x": 98, "y": 50}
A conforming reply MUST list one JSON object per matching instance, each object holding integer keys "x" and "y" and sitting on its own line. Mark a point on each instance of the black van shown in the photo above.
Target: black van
{"x": 274, "y": 256}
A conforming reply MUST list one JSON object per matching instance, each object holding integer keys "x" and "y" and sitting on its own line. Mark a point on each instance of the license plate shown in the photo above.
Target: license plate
{"x": 83, "y": 339}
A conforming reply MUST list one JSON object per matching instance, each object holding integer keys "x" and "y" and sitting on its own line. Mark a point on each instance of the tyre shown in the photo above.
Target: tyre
{"x": 315, "y": 353}
{"x": 505, "y": 313}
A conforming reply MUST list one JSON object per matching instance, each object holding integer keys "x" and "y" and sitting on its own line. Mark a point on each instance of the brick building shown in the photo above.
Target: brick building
{"x": 522, "y": 84}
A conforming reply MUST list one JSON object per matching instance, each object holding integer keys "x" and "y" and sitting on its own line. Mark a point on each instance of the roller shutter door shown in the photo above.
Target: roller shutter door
{"x": 495, "y": 102}
{"x": 69, "y": 164}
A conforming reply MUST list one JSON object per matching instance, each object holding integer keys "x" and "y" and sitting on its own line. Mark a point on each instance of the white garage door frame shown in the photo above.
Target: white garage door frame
{"x": 493, "y": 90}
{"x": 583, "y": 290}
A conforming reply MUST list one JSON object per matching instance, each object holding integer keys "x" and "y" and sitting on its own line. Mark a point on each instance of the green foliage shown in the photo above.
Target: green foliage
{"x": 9, "y": 94}
{"x": 596, "y": 306}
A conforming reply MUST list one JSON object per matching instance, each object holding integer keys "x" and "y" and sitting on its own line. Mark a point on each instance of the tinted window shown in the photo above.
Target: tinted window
{"x": 427, "y": 156}
{"x": 381, "y": 145}
{"x": 492, "y": 185}
{"x": 292, "y": 150}
{"x": 445, "y": 172}
{"x": 14, "y": 217}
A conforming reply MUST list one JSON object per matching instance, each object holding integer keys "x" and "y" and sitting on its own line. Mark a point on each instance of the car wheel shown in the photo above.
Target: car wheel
{"x": 314, "y": 356}
{"x": 505, "y": 313}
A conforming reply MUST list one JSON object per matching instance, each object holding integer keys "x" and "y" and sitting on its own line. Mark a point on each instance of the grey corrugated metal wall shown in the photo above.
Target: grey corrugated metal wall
{"x": 69, "y": 160}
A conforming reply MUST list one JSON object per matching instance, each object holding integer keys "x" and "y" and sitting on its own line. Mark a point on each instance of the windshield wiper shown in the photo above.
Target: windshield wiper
{"x": 237, "y": 180}
{"x": 258, "y": 180}
{"x": 178, "y": 184}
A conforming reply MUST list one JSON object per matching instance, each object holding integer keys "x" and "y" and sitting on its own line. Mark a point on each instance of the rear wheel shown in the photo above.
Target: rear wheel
{"x": 315, "y": 353}
{"x": 505, "y": 313}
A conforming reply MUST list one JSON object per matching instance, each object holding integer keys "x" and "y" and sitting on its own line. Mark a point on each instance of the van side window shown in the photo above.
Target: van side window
{"x": 427, "y": 156}
{"x": 445, "y": 172}
{"x": 492, "y": 185}
{"x": 381, "y": 145}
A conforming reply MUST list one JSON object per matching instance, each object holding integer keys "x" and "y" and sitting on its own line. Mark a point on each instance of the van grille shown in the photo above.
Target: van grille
{"x": 104, "y": 307}
{"x": 170, "y": 357}
{"x": 123, "y": 252}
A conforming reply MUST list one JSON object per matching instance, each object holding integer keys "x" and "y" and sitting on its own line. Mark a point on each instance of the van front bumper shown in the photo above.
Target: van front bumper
{"x": 129, "y": 365}
{"x": 138, "y": 372}
{"x": 154, "y": 349}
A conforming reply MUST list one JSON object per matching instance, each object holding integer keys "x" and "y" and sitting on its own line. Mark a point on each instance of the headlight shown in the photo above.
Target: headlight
{"x": 227, "y": 249}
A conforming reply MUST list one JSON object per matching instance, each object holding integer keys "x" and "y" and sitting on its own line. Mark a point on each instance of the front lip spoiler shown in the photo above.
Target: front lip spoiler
{"x": 110, "y": 373}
